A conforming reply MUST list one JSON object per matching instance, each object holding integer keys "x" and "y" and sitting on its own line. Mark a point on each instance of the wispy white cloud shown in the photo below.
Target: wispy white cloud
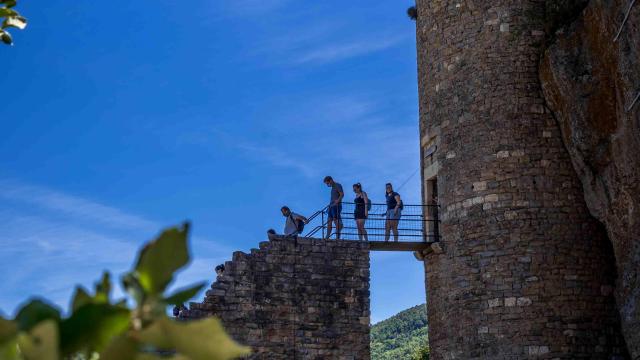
{"x": 244, "y": 8}
{"x": 259, "y": 150}
{"x": 277, "y": 157}
{"x": 72, "y": 205}
{"x": 339, "y": 51}
{"x": 343, "y": 112}
{"x": 48, "y": 246}
{"x": 47, "y": 258}
{"x": 321, "y": 42}
{"x": 352, "y": 136}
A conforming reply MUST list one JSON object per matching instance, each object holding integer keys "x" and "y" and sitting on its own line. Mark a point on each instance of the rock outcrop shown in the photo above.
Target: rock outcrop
{"x": 590, "y": 82}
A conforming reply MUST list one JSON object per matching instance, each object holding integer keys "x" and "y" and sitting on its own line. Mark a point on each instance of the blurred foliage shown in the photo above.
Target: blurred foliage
{"x": 10, "y": 19}
{"x": 99, "y": 328}
{"x": 402, "y": 336}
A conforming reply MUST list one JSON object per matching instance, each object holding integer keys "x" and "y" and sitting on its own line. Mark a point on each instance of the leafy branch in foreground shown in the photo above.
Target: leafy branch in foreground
{"x": 99, "y": 328}
{"x": 10, "y": 19}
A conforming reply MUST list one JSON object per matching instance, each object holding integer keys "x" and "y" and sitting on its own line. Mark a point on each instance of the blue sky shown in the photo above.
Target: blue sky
{"x": 119, "y": 119}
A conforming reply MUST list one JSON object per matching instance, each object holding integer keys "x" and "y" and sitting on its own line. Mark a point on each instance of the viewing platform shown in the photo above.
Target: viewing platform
{"x": 418, "y": 227}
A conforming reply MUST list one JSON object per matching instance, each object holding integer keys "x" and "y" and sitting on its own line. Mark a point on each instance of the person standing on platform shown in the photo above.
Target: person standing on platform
{"x": 361, "y": 211}
{"x": 335, "y": 207}
{"x": 394, "y": 211}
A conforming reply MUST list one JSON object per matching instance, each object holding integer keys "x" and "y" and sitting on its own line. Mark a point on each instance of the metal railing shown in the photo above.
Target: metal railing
{"x": 418, "y": 223}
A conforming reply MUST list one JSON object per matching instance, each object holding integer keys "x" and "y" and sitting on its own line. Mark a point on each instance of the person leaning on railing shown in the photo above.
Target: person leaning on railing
{"x": 394, "y": 211}
{"x": 361, "y": 212}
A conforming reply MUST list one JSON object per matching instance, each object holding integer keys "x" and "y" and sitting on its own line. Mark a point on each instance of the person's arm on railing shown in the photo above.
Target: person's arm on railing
{"x": 300, "y": 217}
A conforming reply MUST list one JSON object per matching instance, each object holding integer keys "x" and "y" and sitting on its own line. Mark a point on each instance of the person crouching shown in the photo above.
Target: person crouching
{"x": 294, "y": 223}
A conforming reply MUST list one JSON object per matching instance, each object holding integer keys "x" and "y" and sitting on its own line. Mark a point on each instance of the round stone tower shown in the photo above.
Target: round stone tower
{"x": 522, "y": 269}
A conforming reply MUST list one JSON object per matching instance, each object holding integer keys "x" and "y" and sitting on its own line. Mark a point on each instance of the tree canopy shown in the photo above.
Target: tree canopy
{"x": 402, "y": 336}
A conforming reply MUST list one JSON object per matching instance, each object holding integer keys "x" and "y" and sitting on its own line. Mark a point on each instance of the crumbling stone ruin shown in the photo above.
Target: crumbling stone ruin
{"x": 524, "y": 269}
{"x": 295, "y": 299}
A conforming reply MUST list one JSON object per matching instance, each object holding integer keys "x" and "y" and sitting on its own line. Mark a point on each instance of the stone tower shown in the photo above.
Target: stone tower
{"x": 524, "y": 270}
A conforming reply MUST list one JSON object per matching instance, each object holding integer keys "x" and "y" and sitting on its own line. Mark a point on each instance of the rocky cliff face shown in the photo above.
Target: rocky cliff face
{"x": 590, "y": 82}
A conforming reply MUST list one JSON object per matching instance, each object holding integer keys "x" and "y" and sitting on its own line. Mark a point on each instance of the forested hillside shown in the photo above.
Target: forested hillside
{"x": 402, "y": 336}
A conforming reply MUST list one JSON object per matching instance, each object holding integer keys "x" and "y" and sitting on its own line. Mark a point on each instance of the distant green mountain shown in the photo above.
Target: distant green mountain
{"x": 402, "y": 336}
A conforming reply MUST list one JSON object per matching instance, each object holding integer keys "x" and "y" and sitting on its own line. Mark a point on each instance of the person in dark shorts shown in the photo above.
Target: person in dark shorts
{"x": 394, "y": 210}
{"x": 335, "y": 207}
{"x": 361, "y": 211}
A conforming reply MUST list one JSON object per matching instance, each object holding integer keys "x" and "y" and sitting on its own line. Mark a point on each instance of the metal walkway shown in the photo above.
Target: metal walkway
{"x": 417, "y": 228}
{"x": 398, "y": 246}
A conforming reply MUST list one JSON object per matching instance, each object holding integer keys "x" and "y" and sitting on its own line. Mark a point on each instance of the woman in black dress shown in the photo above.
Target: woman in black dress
{"x": 361, "y": 211}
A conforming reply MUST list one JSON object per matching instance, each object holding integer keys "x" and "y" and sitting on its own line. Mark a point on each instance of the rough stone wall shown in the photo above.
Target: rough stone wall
{"x": 524, "y": 271}
{"x": 295, "y": 299}
{"x": 590, "y": 82}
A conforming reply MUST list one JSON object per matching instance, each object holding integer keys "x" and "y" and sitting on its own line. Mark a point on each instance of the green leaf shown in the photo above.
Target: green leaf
{"x": 41, "y": 343}
{"x": 16, "y": 22}
{"x": 161, "y": 258}
{"x": 6, "y": 37}
{"x": 80, "y": 298}
{"x": 120, "y": 348}
{"x": 103, "y": 288}
{"x": 197, "y": 340}
{"x": 204, "y": 340}
{"x": 6, "y": 12}
{"x": 183, "y": 295}
{"x": 35, "y": 312}
{"x": 133, "y": 287}
{"x": 157, "y": 357}
{"x": 8, "y": 330}
{"x": 9, "y": 350}
{"x": 92, "y": 326}
{"x": 155, "y": 335}
{"x": 8, "y": 3}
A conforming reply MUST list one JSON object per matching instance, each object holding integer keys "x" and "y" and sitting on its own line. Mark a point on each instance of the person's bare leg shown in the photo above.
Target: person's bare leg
{"x": 387, "y": 227}
{"x": 394, "y": 229}
{"x": 364, "y": 232}
{"x": 329, "y": 229}
{"x": 338, "y": 228}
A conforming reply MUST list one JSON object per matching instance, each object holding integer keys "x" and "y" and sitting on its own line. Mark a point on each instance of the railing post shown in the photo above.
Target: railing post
{"x": 322, "y": 224}
{"x": 425, "y": 223}
{"x": 426, "y": 217}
